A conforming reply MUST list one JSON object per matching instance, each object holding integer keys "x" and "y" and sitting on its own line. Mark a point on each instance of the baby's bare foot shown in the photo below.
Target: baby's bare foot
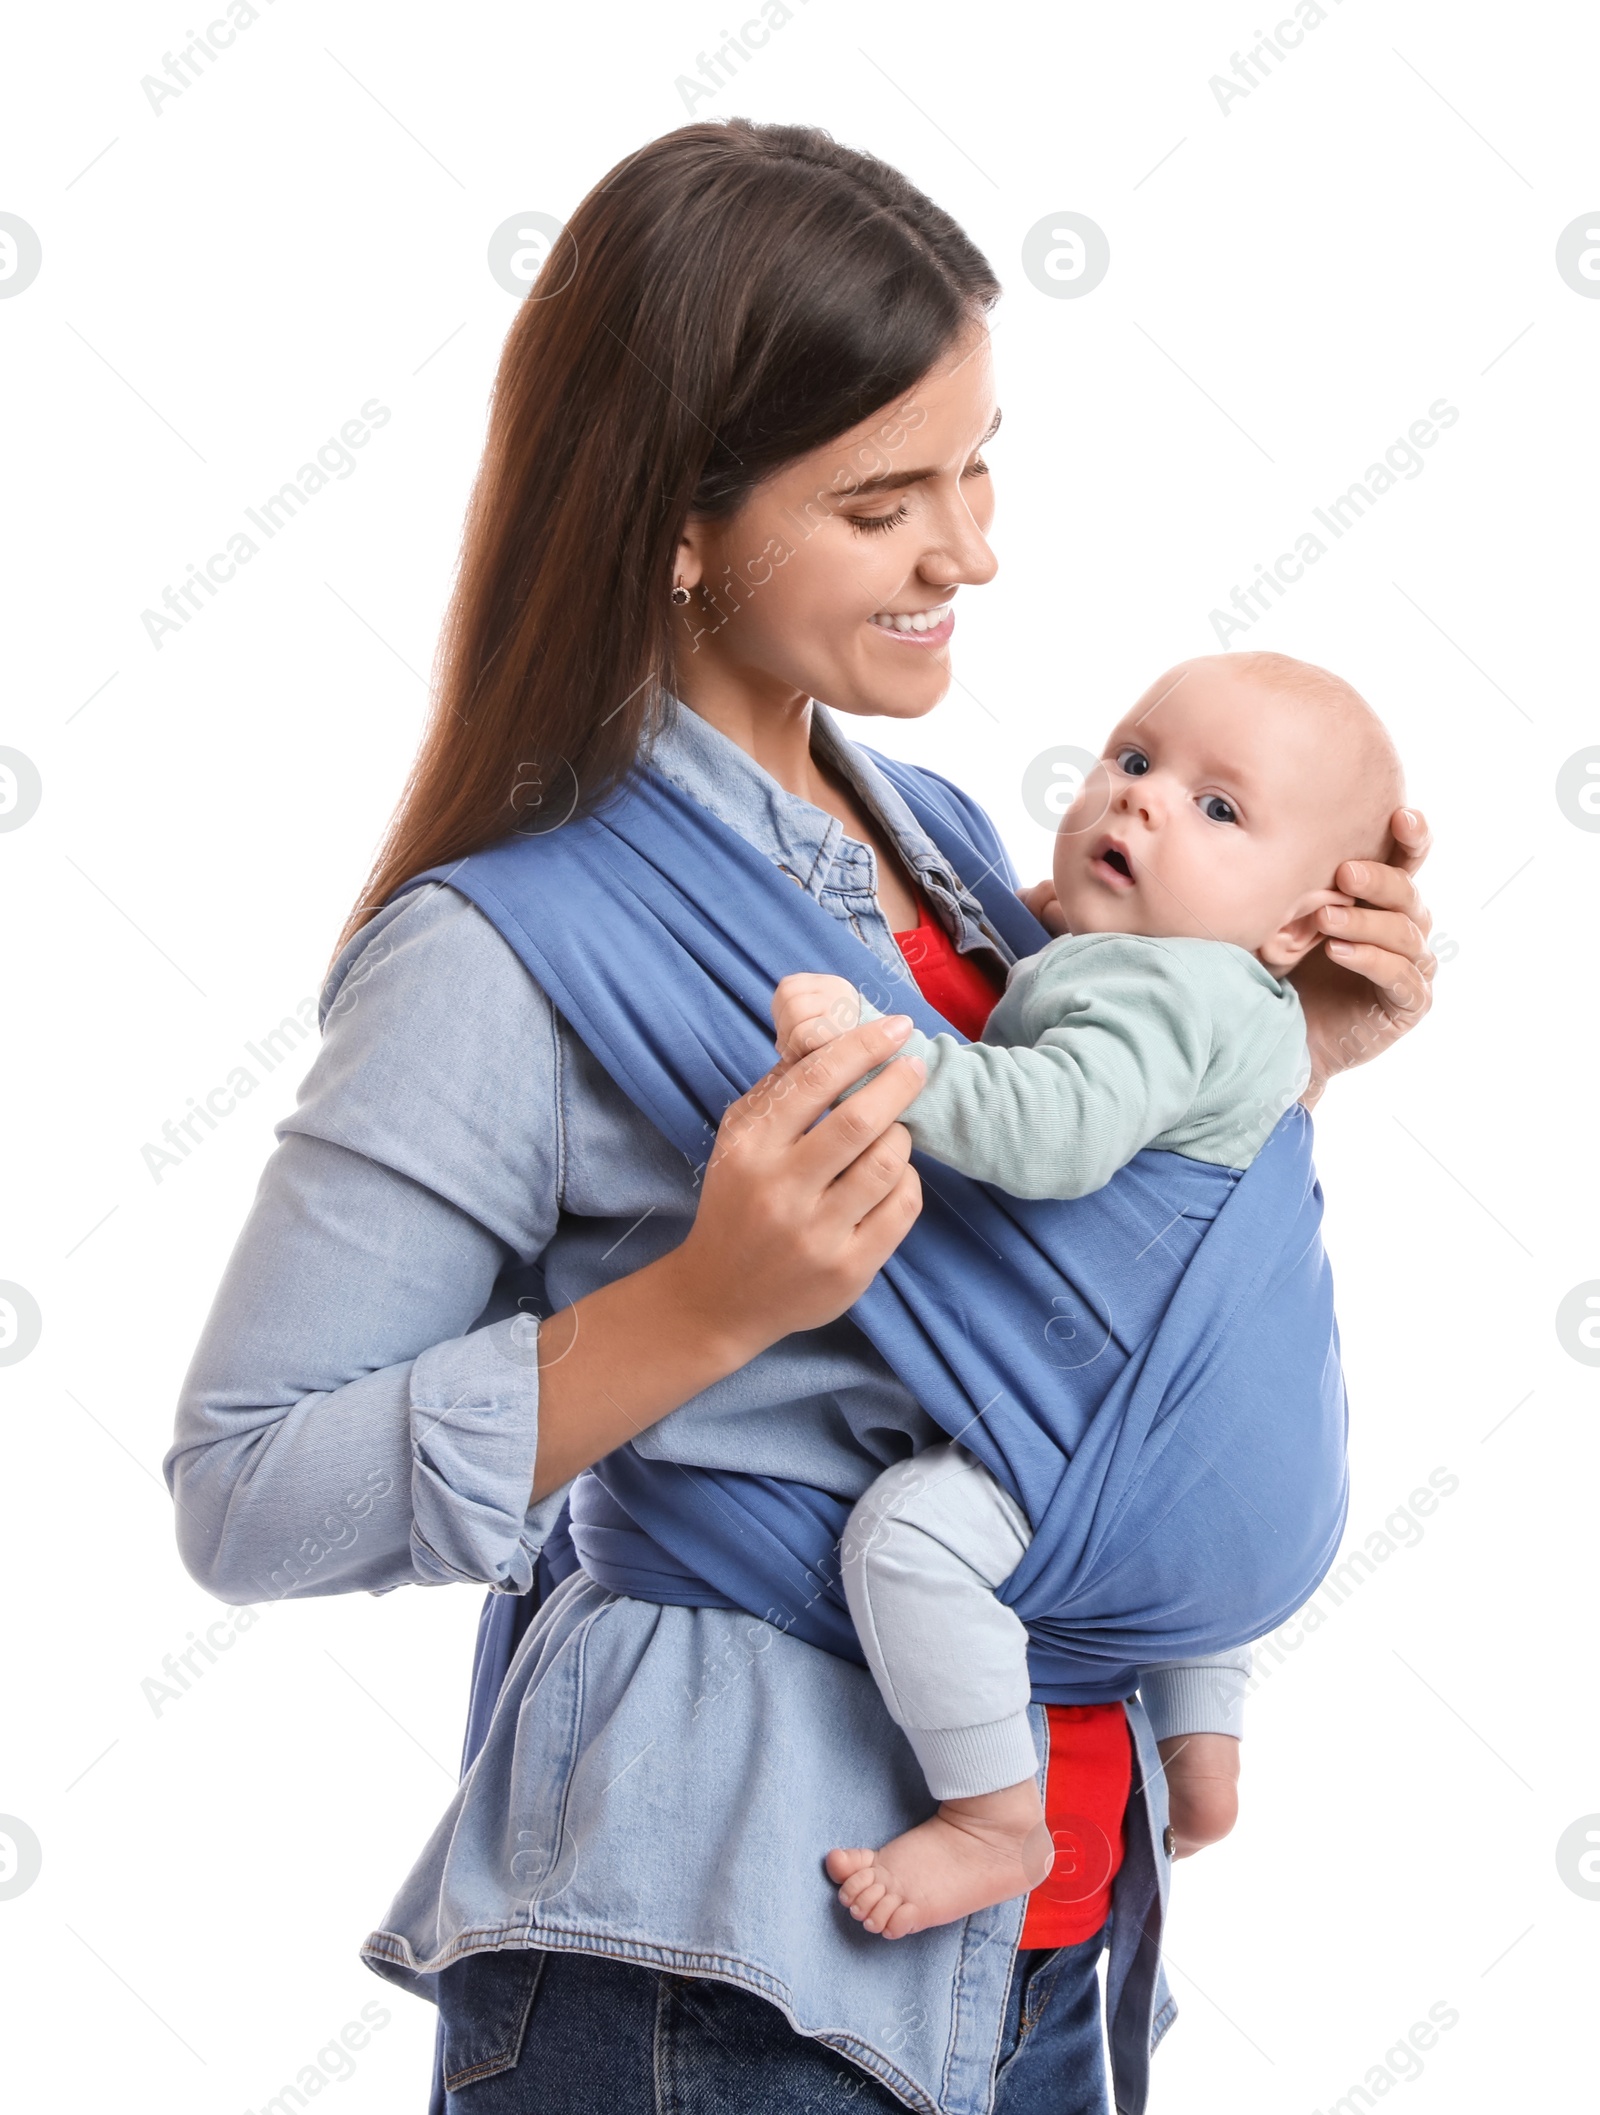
{"x": 970, "y": 1855}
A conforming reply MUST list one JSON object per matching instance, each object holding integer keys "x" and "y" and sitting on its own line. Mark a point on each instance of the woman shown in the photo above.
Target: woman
{"x": 734, "y": 466}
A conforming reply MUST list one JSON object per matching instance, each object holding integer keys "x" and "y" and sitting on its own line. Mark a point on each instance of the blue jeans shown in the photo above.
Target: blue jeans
{"x": 527, "y": 2032}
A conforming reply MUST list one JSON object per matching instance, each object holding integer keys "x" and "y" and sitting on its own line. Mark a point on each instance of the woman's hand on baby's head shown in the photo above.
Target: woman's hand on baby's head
{"x": 1372, "y": 980}
{"x": 811, "y": 1009}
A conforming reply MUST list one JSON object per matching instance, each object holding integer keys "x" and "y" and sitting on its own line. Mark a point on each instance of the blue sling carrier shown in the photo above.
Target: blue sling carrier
{"x": 1152, "y": 1371}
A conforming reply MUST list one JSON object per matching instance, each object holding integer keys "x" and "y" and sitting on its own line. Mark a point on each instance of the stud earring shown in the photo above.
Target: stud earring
{"x": 679, "y": 595}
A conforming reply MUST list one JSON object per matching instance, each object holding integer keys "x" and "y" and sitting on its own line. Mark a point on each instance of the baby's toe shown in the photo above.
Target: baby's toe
{"x": 859, "y": 1885}
{"x": 865, "y": 1897}
{"x": 903, "y": 1921}
{"x": 883, "y": 1911}
{"x": 844, "y": 1865}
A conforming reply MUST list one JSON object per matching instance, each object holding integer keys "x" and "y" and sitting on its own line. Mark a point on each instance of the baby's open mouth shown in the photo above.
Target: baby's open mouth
{"x": 1113, "y": 863}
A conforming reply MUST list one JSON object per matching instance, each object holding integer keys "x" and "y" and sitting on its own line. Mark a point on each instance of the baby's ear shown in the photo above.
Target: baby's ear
{"x": 1289, "y": 944}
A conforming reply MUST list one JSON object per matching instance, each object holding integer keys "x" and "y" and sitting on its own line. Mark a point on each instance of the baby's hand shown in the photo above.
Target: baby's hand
{"x": 1041, "y": 900}
{"x": 810, "y": 1010}
{"x": 1202, "y": 1773}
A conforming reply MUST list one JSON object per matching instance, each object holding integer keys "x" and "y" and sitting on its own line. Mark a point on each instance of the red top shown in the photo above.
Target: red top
{"x": 952, "y": 983}
{"x": 1090, "y": 1770}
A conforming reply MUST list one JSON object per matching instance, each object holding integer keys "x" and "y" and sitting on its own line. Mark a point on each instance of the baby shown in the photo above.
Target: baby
{"x": 1189, "y": 872}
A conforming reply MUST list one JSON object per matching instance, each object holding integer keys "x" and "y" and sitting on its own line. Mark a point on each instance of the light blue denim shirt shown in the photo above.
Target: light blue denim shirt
{"x": 659, "y": 1783}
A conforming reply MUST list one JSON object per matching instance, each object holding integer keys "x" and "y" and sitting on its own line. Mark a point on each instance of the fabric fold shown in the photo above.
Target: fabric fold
{"x": 1151, "y": 1371}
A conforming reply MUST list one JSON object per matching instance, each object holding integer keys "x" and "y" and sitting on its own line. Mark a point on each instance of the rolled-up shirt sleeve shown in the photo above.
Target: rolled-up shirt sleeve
{"x": 352, "y": 1418}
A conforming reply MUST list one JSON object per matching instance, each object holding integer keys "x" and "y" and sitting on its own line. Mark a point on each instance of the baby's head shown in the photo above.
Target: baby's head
{"x": 1224, "y": 802}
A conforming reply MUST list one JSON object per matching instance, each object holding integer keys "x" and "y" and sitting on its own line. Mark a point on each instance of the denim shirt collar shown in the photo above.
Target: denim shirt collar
{"x": 809, "y": 844}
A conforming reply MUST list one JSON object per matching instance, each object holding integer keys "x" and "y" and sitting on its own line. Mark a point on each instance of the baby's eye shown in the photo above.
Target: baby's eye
{"x": 1133, "y": 761}
{"x": 1217, "y": 809}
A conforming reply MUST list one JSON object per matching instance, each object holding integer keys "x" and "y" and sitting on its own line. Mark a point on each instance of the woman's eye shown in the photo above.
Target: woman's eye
{"x": 879, "y": 521}
{"x": 1217, "y": 809}
{"x": 1133, "y": 761}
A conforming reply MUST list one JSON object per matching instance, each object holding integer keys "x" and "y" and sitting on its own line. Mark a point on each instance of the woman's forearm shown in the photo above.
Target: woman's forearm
{"x": 617, "y": 1360}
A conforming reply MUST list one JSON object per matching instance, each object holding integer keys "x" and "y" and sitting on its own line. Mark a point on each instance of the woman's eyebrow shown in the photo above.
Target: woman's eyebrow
{"x": 897, "y": 480}
{"x": 890, "y": 481}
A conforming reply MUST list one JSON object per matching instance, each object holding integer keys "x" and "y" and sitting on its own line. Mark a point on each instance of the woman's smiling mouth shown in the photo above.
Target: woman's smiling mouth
{"x": 929, "y": 627}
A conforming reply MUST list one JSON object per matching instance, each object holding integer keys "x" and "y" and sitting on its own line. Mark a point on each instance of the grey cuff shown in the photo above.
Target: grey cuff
{"x": 1197, "y": 1696}
{"x": 474, "y": 1435}
{"x": 959, "y": 1762}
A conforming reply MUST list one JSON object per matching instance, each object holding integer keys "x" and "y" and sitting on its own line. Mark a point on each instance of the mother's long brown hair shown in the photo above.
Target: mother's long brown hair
{"x": 727, "y": 299}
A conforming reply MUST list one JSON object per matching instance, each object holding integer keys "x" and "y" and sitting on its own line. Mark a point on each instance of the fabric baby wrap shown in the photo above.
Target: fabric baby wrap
{"x": 1104, "y": 1044}
{"x": 1151, "y": 1372}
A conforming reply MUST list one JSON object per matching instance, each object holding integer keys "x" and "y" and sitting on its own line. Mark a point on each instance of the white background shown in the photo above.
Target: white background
{"x": 305, "y": 228}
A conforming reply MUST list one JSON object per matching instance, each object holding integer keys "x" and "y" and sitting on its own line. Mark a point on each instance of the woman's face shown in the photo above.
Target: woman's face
{"x": 837, "y": 578}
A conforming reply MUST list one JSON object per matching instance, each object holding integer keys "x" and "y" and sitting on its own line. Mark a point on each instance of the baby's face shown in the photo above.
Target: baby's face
{"x": 1219, "y": 811}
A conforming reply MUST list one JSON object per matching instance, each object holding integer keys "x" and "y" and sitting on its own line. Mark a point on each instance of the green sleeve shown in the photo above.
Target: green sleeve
{"x": 1098, "y": 1046}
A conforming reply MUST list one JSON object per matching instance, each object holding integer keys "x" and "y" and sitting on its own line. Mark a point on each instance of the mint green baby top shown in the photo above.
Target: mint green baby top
{"x": 1105, "y": 1043}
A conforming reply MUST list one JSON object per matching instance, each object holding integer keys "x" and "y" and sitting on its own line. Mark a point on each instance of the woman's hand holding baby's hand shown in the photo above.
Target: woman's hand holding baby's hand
{"x": 811, "y": 1010}
{"x": 801, "y": 1205}
{"x": 1202, "y": 1773}
{"x": 804, "y": 1197}
{"x": 1372, "y": 980}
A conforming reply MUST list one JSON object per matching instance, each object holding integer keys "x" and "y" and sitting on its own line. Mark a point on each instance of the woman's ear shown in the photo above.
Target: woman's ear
{"x": 692, "y": 560}
{"x": 1288, "y": 945}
